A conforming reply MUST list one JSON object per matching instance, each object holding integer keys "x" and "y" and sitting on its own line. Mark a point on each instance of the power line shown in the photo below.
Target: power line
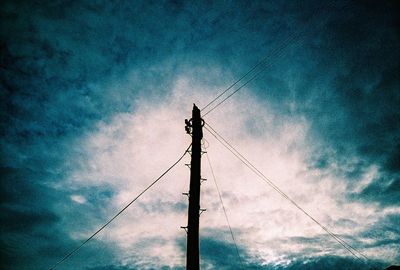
{"x": 120, "y": 212}
{"x": 277, "y": 53}
{"x": 258, "y": 173}
{"x": 276, "y": 188}
{"x": 234, "y": 92}
{"x": 246, "y": 162}
{"x": 223, "y": 208}
{"x": 236, "y": 82}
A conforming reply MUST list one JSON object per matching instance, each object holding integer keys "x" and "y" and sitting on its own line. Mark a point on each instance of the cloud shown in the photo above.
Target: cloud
{"x": 91, "y": 90}
{"x": 78, "y": 199}
{"x": 120, "y": 155}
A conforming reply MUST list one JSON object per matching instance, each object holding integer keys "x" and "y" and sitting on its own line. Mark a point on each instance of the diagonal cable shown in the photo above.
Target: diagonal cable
{"x": 293, "y": 38}
{"x": 246, "y": 162}
{"x": 269, "y": 182}
{"x": 119, "y": 213}
{"x": 223, "y": 208}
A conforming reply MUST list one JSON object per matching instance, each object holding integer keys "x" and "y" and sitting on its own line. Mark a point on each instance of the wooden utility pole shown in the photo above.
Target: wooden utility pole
{"x": 194, "y": 127}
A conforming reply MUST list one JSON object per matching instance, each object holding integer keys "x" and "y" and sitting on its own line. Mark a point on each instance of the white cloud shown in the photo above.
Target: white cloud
{"x": 130, "y": 151}
{"x": 78, "y": 199}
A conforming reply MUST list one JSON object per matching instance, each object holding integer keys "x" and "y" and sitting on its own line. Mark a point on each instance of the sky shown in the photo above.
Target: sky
{"x": 94, "y": 96}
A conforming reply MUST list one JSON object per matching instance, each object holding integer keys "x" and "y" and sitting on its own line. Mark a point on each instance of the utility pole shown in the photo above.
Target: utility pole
{"x": 194, "y": 127}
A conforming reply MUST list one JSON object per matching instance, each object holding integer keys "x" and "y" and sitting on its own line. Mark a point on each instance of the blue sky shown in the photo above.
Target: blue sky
{"x": 94, "y": 94}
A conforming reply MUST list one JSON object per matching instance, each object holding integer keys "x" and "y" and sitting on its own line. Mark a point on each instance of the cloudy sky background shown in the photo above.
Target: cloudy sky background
{"x": 94, "y": 95}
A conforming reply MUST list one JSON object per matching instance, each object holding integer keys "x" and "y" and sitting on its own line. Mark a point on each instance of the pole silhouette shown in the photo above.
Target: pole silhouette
{"x": 194, "y": 127}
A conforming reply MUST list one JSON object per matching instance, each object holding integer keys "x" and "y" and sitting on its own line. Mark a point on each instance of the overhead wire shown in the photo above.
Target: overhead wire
{"x": 236, "y": 82}
{"x": 223, "y": 208}
{"x": 234, "y": 92}
{"x": 277, "y": 53}
{"x": 293, "y": 38}
{"x": 247, "y": 163}
{"x": 120, "y": 212}
{"x": 263, "y": 177}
